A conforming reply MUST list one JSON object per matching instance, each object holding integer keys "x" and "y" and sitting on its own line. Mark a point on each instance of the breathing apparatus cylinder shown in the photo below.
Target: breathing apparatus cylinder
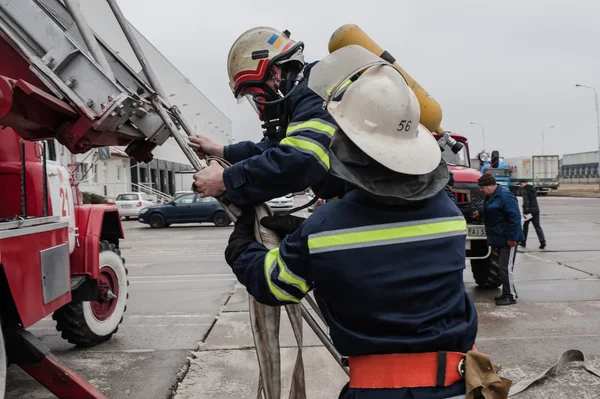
{"x": 431, "y": 112}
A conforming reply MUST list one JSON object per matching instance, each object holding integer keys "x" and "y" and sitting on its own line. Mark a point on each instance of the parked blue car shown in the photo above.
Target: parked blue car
{"x": 188, "y": 208}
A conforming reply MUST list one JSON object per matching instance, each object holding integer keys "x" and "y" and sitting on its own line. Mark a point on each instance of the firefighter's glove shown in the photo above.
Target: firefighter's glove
{"x": 282, "y": 225}
{"x": 242, "y": 236}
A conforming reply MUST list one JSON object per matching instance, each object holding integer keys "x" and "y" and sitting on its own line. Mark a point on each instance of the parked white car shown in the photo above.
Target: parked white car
{"x": 282, "y": 204}
{"x": 130, "y": 204}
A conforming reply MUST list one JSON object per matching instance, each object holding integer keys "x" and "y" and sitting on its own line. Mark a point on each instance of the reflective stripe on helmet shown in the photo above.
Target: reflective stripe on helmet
{"x": 308, "y": 146}
{"x": 285, "y": 276}
{"x": 314, "y": 125}
{"x": 385, "y": 234}
{"x": 253, "y": 52}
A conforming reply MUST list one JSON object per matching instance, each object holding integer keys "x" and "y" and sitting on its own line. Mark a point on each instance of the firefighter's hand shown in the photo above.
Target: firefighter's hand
{"x": 282, "y": 225}
{"x": 241, "y": 237}
{"x": 207, "y": 146}
{"x": 209, "y": 181}
{"x": 476, "y": 214}
{"x": 512, "y": 243}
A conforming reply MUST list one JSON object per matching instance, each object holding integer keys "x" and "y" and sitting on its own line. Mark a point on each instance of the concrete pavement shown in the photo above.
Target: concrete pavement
{"x": 178, "y": 283}
{"x": 558, "y": 309}
{"x": 185, "y": 333}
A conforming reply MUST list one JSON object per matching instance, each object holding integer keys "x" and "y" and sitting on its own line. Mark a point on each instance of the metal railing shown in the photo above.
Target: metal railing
{"x": 147, "y": 189}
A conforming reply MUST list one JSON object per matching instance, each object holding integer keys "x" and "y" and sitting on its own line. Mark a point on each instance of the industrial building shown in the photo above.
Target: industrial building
{"x": 112, "y": 175}
{"x": 581, "y": 167}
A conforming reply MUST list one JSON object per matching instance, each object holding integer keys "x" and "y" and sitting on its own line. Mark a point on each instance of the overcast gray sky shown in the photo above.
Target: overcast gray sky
{"x": 508, "y": 65}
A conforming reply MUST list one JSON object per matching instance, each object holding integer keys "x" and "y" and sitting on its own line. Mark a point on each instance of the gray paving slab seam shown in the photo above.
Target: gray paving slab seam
{"x": 524, "y": 339}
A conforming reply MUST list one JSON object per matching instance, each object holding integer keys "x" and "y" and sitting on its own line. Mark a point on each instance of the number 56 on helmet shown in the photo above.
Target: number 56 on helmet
{"x": 378, "y": 111}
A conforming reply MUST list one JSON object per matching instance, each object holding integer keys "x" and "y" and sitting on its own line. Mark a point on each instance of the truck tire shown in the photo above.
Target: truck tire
{"x": 86, "y": 323}
{"x": 486, "y": 272}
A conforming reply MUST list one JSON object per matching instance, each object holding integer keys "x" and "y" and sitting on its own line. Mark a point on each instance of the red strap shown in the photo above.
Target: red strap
{"x": 406, "y": 370}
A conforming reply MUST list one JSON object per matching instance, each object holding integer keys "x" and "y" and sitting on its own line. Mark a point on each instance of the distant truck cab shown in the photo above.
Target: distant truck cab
{"x": 484, "y": 261}
{"x": 496, "y": 166}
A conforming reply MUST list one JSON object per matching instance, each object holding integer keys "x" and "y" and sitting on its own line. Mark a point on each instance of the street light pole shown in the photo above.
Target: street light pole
{"x": 482, "y": 132}
{"x": 597, "y": 126}
{"x": 543, "y": 131}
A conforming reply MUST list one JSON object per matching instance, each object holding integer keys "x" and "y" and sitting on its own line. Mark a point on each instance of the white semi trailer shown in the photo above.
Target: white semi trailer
{"x": 541, "y": 171}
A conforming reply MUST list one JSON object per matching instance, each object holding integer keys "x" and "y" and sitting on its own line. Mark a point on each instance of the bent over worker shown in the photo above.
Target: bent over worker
{"x": 267, "y": 68}
{"x": 386, "y": 261}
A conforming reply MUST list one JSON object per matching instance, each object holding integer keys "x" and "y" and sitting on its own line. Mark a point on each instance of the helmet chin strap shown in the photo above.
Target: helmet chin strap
{"x": 273, "y": 110}
{"x": 280, "y": 99}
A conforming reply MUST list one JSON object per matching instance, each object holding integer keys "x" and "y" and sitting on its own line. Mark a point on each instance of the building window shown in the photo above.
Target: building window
{"x": 118, "y": 173}
{"x": 82, "y": 171}
{"x": 95, "y": 169}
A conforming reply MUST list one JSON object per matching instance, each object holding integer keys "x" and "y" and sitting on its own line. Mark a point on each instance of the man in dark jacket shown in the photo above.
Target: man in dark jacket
{"x": 267, "y": 68}
{"x": 531, "y": 207}
{"x": 502, "y": 220}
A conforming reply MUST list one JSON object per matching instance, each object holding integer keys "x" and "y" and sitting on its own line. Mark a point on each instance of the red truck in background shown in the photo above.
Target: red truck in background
{"x": 61, "y": 89}
{"x": 484, "y": 261}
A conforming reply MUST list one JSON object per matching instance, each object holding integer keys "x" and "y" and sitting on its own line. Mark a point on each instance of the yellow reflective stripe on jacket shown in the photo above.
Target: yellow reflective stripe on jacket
{"x": 270, "y": 262}
{"x": 314, "y": 125}
{"x": 289, "y": 277}
{"x": 309, "y": 146}
{"x": 341, "y": 89}
{"x": 393, "y": 233}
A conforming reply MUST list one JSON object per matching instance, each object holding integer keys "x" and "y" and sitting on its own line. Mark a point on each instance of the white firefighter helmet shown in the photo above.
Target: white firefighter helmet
{"x": 254, "y": 53}
{"x": 380, "y": 114}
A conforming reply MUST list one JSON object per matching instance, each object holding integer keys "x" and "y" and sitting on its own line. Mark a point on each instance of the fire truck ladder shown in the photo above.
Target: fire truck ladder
{"x": 115, "y": 104}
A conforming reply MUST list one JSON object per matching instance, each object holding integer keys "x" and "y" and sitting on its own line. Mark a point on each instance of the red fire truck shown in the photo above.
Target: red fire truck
{"x": 61, "y": 87}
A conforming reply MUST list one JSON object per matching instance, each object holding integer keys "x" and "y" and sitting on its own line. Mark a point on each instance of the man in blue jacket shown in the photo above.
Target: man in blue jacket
{"x": 267, "y": 68}
{"x": 502, "y": 220}
{"x": 386, "y": 261}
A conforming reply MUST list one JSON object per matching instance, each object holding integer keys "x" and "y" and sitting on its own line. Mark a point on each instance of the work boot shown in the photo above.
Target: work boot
{"x": 506, "y": 301}
{"x": 497, "y": 298}
{"x": 543, "y": 245}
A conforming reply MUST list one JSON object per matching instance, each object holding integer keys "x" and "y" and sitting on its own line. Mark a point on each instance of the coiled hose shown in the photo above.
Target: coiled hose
{"x": 265, "y": 320}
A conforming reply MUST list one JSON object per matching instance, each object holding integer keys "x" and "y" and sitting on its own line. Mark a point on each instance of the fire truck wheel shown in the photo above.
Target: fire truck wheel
{"x": 486, "y": 271}
{"x": 90, "y": 323}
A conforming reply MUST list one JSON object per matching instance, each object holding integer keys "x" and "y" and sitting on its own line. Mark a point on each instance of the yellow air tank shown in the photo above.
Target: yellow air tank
{"x": 431, "y": 112}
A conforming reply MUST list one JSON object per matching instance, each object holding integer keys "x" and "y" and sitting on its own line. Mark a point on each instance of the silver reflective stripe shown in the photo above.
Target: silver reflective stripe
{"x": 386, "y": 234}
{"x": 287, "y": 276}
{"x": 314, "y": 125}
{"x": 309, "y": 146}
{"x": 385, "y": 226}
{"x": 458, "y": 397}
{"x": 387, "y": 242}
{"x": 276, "y": 290}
